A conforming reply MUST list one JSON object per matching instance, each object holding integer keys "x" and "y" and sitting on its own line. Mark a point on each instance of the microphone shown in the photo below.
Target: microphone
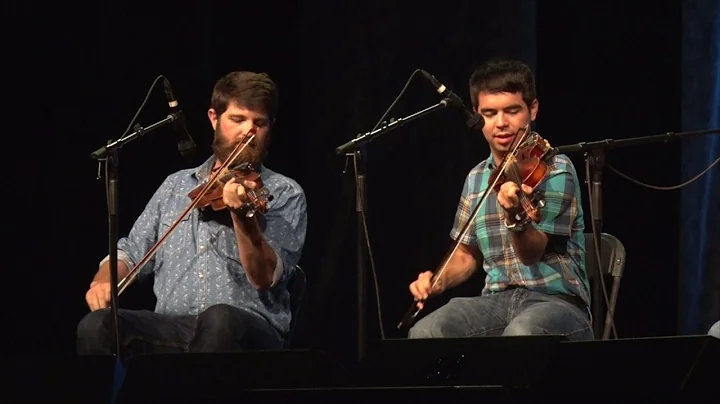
{"x": 473, "y": 119}
{"x": 186, "y": 145}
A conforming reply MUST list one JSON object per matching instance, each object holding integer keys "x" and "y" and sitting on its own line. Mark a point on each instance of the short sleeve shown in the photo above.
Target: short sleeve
{"x": 560, "y": 192}
{"x": 462, "y": 214}
{"x": 286, "y": 228}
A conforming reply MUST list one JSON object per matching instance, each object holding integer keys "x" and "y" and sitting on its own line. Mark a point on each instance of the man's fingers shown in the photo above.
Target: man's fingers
{"x": 505, "y": 201}
{"x": 90, "y": 300}
{"x": 97, "y": 303}
{"x": 425, "y": 290}
{"x": 415, "y": 291}
{"x": 107, "y": 295}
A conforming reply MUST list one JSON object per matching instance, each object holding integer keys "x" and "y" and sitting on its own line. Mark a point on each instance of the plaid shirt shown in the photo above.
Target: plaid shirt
{"x": 562, "y": 269}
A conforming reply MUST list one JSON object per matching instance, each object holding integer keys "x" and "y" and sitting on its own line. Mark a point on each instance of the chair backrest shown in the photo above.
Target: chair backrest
{"x": 296, "y": 287}
{"x": 612, "y": 259}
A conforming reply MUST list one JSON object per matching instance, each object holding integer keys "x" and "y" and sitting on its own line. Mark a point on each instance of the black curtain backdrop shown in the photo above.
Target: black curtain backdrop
{"x": 602, "y": 71}
{"x": 700, "y": 269}
{"x": 611, "y": 71}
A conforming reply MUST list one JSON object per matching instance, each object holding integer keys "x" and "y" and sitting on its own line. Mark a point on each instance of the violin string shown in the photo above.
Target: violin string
{"x": 511, "y": 168}
{"x": 514, "y": 174}
{"x": 524, "y": 201}
{"x": 466, "y": 226}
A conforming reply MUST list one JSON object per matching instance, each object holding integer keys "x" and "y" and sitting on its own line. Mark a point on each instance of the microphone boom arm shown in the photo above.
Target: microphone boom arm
{"x": 608, "y": 144}
{"x": 394, "y": 124}
{"x": 104, "y": 151}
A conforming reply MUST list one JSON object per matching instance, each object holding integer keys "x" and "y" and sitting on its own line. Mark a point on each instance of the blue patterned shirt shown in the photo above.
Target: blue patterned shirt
{"x": 199, "y": 264}
{"x": 561, "y": 270}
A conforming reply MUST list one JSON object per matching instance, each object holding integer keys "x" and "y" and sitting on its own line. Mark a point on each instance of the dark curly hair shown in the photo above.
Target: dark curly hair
{"x": 255, "y": 91}
{"x": 503, "y": 75}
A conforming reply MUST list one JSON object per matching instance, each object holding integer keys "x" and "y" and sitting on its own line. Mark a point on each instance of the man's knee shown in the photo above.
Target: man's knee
{"x": 422, "y": 329}
{"x": 92, "y": 334}
{"x": 92, "y": 324}
{"x": 523, "y": 326}
{"x": 215, "y": 317}
{"x": 432, "y": 326}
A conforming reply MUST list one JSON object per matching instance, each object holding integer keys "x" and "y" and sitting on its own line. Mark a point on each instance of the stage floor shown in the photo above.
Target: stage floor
{"x": 501, "y": 369}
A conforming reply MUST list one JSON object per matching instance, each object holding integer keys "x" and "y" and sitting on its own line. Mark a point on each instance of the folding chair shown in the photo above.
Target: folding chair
{"x": 613, "y": 263}
{"x": 296, "y": 287}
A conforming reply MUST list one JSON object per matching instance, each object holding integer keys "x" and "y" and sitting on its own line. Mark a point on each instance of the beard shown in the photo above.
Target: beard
{"x": 222, "y": 148}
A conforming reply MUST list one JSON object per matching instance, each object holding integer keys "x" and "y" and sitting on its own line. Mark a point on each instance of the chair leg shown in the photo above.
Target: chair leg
{"x": 610, "y": 316}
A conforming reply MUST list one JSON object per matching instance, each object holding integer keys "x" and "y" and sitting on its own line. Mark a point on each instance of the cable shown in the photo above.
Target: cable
{"x": 670, "y": 188}
{"x": 611, "y": 311}
{"x": 119, "y": 373}
{"x": 598, "y": 259}
{"x": 132, "y": 122}
{"x": 361, "y": 196}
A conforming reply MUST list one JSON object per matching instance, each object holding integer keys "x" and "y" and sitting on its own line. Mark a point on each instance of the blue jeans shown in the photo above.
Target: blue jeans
{"x": 513, "y": 312}
{"x": 220, "y": 328}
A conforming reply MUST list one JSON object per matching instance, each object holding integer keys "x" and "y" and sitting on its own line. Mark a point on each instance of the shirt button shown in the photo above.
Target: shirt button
{"x": 200, "y": 275}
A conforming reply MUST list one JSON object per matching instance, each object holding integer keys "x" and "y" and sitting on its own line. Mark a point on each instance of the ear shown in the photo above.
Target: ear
{"x": 213, "y": 117}
{"x": 534, "y": 109}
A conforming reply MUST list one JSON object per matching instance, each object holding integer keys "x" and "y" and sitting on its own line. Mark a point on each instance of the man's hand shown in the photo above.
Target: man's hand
{"x": 422, "y": 288}
{"x": 234, "y": 195}
{"x": 508, "y": 197}
{"x": 98, "y": 296}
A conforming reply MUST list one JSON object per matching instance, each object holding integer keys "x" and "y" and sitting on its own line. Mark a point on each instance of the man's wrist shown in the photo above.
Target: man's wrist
{"x": 98, "y": 281}
{"x": 242, "y": 220}
{"x": 516, "y": 225}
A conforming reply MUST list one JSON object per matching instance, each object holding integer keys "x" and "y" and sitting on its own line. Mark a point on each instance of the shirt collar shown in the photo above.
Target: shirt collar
{"x": 490, "y": 162}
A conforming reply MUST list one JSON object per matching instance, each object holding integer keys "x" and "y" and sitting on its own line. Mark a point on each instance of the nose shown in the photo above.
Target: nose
{"x": 249, "y": 125}
{"x": 249, "y": 128}
{"x": 501, "y": 122}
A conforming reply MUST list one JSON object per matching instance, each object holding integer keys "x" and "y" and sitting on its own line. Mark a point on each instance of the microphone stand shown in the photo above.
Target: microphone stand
{"x": 595, "y": 157}
{"x": 109, "y": 153}
{"x": 351, "y": 149}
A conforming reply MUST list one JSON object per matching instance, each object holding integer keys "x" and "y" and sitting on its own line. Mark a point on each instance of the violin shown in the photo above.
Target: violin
{"x": 210, "y": 194}
{"x": 525, "y": 164}
{"x": 257, "y": 198}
